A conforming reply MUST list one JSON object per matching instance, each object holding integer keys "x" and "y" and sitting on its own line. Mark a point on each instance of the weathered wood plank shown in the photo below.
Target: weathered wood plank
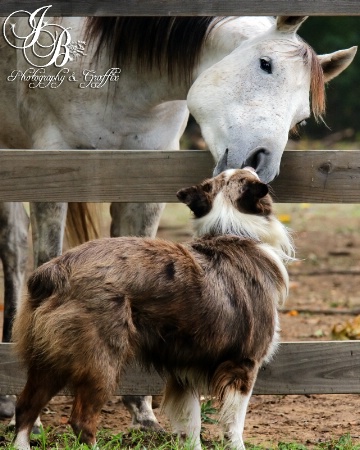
{"x": 105, "y": 176}
{"x": 326, "y": 176}
{"x": 312, "y": 368}
{"x": 185, "y": 7}
{"x": 298, "y": 368}
{"x": 99, "y": 176}
{"x": 134, "y": 381}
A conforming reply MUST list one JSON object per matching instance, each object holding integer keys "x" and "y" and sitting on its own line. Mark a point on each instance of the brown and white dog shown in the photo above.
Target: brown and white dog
{"x": 203, "y": 314}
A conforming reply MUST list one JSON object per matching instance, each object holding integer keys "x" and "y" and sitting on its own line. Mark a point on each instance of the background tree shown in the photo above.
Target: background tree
{"x": 325, "y": 35}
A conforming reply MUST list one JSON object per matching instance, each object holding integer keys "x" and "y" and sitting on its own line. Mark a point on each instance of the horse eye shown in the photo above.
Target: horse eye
{"x": 265, "y": 65}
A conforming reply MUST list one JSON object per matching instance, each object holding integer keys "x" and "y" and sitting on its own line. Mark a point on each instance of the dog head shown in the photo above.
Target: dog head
{"x": 239, "y": 189}
{"x": 236, "y": 202}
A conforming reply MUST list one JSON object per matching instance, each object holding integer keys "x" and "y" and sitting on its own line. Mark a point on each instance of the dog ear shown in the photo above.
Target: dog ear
{"x": 196, "y": 199}
{"x": 250, "y": 195}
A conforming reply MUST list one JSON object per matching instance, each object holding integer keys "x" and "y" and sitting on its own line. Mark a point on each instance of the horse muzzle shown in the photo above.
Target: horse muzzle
{"x": 259, "y": 160}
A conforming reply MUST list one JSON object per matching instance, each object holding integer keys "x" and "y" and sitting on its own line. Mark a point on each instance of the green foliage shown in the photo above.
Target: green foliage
{"x": 208, "y": 410}
{"x": 290, "y": 446}
{"x": 326, "y": 35}
{"x": 50, "y": 439}
{"x": 344, "y": 443}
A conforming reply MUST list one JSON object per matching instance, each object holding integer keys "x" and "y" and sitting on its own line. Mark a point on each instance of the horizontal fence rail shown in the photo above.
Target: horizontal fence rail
{"x": 321, "y": 176}
{"x": 298, "y": 368}
{"x": 139, "y": 176}
{"x": 185, "y": 7}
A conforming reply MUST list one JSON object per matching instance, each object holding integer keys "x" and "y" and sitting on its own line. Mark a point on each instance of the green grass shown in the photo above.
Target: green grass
{"x": 51, "y": 439}
{"x": 208, "y": 410}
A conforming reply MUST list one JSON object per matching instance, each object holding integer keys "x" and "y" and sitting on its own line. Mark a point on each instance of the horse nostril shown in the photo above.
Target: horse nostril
{"x": 222, "y": 164}
{"x": 255, "y": 159}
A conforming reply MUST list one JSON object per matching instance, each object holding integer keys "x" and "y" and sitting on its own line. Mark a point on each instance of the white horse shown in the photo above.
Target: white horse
{"x": 246, "y": 80}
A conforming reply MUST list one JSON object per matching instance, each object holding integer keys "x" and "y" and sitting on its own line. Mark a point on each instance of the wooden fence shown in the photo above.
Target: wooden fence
{"x": 311, "y": 176}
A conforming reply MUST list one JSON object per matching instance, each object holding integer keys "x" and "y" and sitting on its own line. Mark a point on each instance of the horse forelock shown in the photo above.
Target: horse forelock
{"x": 173, "y": 44}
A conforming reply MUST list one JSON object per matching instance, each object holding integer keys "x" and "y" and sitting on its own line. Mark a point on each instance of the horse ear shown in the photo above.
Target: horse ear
{"x": 289, "y": 24}
{"x": 334, "y": 63}
{"x": 196, "y": 199}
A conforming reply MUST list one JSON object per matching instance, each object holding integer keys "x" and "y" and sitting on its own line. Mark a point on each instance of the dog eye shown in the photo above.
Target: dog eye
{"x": 301, "y": 124}
{"x": 265, "y": 64}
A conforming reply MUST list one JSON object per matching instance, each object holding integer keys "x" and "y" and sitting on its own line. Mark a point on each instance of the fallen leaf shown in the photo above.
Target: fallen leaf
{"x": 294, "y": 285}
{"x": 293, "y": 313}
{"x": 350, "y": 329}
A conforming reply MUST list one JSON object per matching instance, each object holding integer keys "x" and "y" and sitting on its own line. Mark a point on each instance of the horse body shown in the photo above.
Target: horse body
{"x": 247, "y": 86}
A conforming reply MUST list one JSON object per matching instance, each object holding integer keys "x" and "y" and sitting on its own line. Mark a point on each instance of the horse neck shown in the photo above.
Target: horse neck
{"x": 226, "y": 36}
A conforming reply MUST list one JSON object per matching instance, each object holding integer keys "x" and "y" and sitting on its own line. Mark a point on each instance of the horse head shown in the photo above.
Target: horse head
{"x": 247, "y": 103}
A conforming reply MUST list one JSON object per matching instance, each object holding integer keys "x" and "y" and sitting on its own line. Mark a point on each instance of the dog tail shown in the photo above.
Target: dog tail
{"x": 31, "y": 325}
{"x": 48, "y": 279}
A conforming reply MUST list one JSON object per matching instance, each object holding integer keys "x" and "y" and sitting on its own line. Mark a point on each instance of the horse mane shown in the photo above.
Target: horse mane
{"x": 173, "y": 43}
{"x": 317, "y": 82}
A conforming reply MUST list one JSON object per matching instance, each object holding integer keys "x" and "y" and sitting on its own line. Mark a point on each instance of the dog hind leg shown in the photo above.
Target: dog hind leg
{"x": 182, "y": 406}
{"x": 40, "y": 387}
{"x": 137, "y": 219}
{"x": 91, "y": 391}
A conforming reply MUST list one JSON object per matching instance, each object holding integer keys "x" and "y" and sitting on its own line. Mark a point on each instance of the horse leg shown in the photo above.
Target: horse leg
{"x": 182, "y": 407}
{"x": 40, "y": 387}
{"x": 137, "y": 219}
{"x": 14, "y": 223}
{"x": 48, "y": 224}
{"x": 142, "y": 415}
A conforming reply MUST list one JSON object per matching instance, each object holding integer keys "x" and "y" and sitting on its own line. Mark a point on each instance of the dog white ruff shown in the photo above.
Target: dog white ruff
{"x": 225, "y": 219}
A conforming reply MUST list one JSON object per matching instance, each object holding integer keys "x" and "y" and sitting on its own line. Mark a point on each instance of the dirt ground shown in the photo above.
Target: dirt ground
{"x": 324, "y": 293}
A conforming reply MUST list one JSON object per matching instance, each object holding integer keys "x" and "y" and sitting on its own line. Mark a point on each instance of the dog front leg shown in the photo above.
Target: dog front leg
{"x": 182, "y": 406}
{"x": 235, "y": 396}
{"x": 232, "y": 416}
